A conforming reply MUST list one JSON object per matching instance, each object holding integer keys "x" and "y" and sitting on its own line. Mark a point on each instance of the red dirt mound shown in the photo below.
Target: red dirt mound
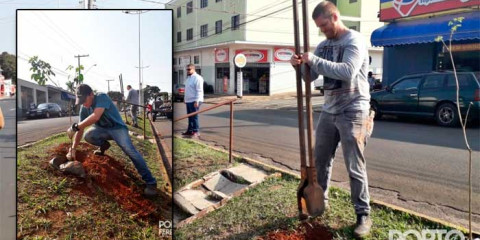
{"x": 307, "y": 230}
{"x": 112, "y": 178}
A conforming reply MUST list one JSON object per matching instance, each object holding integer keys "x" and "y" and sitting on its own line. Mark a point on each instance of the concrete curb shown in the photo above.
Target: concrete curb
{"x": 268, "y": 167}
{"x": 163, "y": 152}
{"x": 33, "y": 143}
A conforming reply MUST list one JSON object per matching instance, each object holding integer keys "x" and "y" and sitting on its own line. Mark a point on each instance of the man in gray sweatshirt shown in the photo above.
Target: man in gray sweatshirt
{"x": 342, "y": 59}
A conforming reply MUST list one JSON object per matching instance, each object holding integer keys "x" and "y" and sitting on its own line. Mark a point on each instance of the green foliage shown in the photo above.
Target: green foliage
{"x": 150, "y": 92}
{"x": 77, "y": 80}
{"x": 115, "y": 96}
{"x": 41, "y": 71}
{"x": 8, "y": 64}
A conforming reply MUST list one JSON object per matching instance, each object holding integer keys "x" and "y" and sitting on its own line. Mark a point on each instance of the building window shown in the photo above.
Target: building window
{"x": 353, "y": 1}
{"x": 218, "y": 27}
{"x": 179, "y": 12}
{"x": 204, "y": 30}
{"x": 218, "y": 0}
{"x": 353, "y": 28}
{"x": 189, "y": 34}
{"x": 196, "y": 59}
{"x": 189, "y": 7}
{"x": 179, "y": 37}
{"x": 174, "y": 61}
{"x": 203, "y": 3}
{"x": 235, "y": 22}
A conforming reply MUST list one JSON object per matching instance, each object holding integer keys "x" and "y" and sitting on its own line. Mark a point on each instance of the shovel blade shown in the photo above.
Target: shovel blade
{"x": 314, "y": 199}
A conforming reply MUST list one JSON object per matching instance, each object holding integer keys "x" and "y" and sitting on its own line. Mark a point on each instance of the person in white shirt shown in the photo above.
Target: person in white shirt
{"x": 193, "y": 99}
{"x": 132, "y": 98}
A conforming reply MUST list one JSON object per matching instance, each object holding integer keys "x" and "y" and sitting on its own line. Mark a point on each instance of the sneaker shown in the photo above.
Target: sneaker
{"x": 187, "y": 133}
{"x": 151, "y": 190}
{"x": 364, "y": 223}
{"x": 195, "y": 135}
{"x": 101, "y": 151}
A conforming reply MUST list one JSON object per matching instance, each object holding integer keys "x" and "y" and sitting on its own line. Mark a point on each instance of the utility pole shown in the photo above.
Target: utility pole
{"x": 141, "y": 83}
{"x": 90, "y": 4}
{"x": 108, "y": 82}
{"x": 79, "y": 70}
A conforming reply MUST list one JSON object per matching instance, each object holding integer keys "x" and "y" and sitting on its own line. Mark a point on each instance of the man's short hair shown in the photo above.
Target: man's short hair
{"x": 129, "y": 86}
{"x": 324, "y": 9}
{"x": 191, "y": 65}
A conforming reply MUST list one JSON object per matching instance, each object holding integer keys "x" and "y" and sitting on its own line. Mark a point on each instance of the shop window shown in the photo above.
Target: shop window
{"x": 352, "y": 1}
{"x": 204, "y": 30}
{"x": 218, "y": 27}
{"x": 203, "y": 3}
{"x": 179, "y": 37}
{"x": 196, "y": 59}
{"x": 189, "y": 7}
{"x": 235, "y": 22}
{"x": 174, "y": 61}
{"x": 179, "y": 12}
{"x": 189, "y": 34}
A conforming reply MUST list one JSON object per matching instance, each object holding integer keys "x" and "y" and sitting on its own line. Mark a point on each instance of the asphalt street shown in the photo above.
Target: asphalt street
{"x": 414, "y": 164}
{"x": 8, "y": 170}
{"x": 36, "y": 129}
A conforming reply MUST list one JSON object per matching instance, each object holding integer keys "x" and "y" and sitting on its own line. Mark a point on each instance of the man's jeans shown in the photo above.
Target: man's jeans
{"x": 97, "y": 136}
{"x": 351, "y": 129}
{"x": 134, "y": 112}
{"x": 193, "y": 125}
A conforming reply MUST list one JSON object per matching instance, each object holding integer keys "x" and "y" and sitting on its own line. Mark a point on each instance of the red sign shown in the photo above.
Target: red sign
{"x": 393, "y": 9}
{"x": 221, "y": 55}
{"x": 283, "y": 54}
{"x": 254, "y": 55}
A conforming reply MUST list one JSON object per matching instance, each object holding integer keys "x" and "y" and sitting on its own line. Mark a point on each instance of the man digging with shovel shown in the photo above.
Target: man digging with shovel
{"x": 98, "y": 109}
{"x": 343, "y": 61}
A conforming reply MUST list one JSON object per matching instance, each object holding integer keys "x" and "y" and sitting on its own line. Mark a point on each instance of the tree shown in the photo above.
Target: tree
{"x": 41, "y": 71}
{"x": 8, "y": 64}
{"x": 454, "y": 25}
{"x": 150, "y": 92}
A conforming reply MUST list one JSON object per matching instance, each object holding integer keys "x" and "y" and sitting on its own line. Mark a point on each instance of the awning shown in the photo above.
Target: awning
{"x": 67, "y": 96}
{"x": 426, "y": 30}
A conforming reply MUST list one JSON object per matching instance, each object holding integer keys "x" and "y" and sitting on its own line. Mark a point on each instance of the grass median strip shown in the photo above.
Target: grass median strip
{"x": 52, "y": 205}
{"x": 269, "y": 210}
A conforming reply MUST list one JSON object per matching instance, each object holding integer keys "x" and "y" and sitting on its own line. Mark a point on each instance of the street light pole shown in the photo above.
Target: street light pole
{"x": 108, "y": 82}
{"x": 141, "y": 98}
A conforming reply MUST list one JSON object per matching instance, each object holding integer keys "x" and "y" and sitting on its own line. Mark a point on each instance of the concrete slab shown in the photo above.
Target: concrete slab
{"x": 248, "y": 172}
{"x": 184, "y": 204}
{"x": 197, "y": 198}
{"x": 219, "y": 183}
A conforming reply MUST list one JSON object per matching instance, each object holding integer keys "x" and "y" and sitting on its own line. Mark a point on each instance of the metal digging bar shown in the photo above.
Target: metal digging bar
{"x": 309, "y": 192}
{"x": 231, "y": 121}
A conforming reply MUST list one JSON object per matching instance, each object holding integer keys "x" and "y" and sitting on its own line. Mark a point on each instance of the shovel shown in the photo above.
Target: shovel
{"x": 310, "y": 196}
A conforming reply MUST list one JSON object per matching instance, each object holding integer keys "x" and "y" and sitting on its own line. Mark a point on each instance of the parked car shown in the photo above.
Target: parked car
{"x": 430, "y": 95}
{"x": 178, "y": 92}
{"x": 45, "y": 110}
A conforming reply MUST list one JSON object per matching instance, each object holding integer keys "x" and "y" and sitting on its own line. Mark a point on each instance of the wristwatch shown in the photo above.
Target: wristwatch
{"x": 75, "y": 127}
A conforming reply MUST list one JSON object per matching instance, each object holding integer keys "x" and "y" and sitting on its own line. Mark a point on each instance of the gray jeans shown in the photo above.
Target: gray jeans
{"x": 133, "y": 113}
{"x": 351, "y": 129}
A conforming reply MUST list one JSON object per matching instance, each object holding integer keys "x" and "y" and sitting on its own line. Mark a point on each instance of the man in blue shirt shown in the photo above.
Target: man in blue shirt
{"x": 193, "y": 99}
{"x": 98, "y": 110}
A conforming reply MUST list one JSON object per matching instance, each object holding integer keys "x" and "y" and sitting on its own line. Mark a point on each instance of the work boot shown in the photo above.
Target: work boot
{"x": 364, "y": 223}
{"x": 151, "y": 190}
{"x": 102, "y": 149}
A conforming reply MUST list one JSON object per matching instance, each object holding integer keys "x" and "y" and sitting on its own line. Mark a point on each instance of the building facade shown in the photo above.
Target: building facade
{"x": 209, "y": 33}
{"x": 413, "y": 25}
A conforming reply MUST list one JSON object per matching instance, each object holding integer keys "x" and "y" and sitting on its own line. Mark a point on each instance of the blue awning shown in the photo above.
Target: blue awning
{"x": 426, "y": 30}
{"x": 67, "y": 96}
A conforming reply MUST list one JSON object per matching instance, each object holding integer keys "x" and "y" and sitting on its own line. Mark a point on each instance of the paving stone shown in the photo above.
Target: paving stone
{"x": 219, "y": 183}
{"x": 247, "y": 172}
{"x": 197, "y": 198}
{"x": 184, "y": 204}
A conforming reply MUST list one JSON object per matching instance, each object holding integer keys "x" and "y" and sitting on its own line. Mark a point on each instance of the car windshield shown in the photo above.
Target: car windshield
{"x": 43, "y": 106}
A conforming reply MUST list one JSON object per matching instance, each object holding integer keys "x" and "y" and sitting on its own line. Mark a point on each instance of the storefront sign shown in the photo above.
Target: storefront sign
{"x": 221, "y": 55}
{"x": 464, "y": 47}
{"x": 240, "y": 60}
{"x": 283, "y": 54}
{"x": 254, "y": 56}
{"x": 393, "y": 9}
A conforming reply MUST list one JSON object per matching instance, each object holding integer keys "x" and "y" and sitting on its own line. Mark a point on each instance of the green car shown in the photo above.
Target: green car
{"x": 431, "y": 95}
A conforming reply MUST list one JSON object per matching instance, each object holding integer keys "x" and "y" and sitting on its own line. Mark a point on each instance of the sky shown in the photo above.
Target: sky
{"x": 109, "y": 37}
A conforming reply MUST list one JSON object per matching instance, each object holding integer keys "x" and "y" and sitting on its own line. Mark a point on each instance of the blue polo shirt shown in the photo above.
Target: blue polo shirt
{"x": 110, "y": 118}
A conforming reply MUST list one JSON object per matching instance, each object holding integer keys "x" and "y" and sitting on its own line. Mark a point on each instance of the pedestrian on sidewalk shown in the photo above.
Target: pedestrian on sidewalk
{"x": 342, "y": 59}
{"x": 193, "y": 99}
{"x": 97, "y": 109}
{"x": 132, "y": 98}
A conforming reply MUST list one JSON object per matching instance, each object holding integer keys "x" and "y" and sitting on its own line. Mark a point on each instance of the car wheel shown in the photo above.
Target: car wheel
{"x": 47, "y": 115}
{"x": 447, "y": 115}
{"x": 374, "y": 106}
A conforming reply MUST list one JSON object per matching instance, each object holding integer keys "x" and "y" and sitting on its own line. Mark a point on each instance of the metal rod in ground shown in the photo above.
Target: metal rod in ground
{"x": 308, "y": 83}
{"x": 144, "y": 120}
{"x": 301, "y": 125}
{"x": 231, "y": 134}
